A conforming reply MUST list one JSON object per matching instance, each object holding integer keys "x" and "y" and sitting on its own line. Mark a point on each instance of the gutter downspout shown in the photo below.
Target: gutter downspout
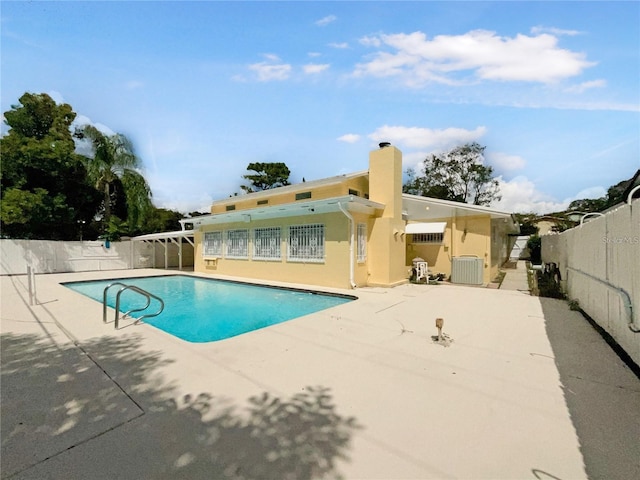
{"x": 351, "y": 242}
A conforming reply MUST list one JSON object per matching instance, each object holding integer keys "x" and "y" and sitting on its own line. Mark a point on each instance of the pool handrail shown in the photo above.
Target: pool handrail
{"x": 104, "y": 299}
{"x": 136, "y": 289}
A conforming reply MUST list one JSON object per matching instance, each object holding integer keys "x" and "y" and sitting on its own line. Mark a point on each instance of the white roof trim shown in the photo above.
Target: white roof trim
{"x": 299, "y": 208}
{"x": 430, "y": 227}
{"x": 458, "y": 206}
{"x": 164, "y": 235}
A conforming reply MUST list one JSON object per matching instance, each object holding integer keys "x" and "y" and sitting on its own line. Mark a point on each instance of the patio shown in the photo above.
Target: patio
{"x": 527, "y": 390}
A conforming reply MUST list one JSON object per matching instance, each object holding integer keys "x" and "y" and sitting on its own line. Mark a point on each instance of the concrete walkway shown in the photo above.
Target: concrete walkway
{"x": 516, "y": 278}
{"x": 526, "y": 390}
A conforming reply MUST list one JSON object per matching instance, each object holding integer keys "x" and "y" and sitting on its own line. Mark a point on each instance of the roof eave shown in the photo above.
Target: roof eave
{"x": 312, "y": 207}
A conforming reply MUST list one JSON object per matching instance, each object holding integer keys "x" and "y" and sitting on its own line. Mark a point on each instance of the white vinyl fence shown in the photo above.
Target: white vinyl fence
{"x": 45, "y": 256}
{"x": 599, "y": 262}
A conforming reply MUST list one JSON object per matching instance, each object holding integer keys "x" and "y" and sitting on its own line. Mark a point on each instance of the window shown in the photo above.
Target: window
{"x": 428, "y": 237}
{"x": 263, "y": 202}
{"x": 237, "y": 244}
{"x": 362, "y": 242}
{"x": 212, "y": 244}
{"x": 230, "y": 208}
{"x": 266, "y": 243}
{"x": 306, "y": 243}
{"x": 303, "y": 195}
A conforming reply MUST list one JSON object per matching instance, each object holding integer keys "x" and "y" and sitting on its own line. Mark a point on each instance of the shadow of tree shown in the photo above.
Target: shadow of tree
{"x": 104, "y": 411}
{"x": 601, "y": 392}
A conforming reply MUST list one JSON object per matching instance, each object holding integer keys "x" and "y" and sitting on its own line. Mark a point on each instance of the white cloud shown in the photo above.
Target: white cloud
{"x": 369, "y": 41}
{"x": 82, "y": 120}
{"x": 323, "y": 22}
{"x": 426, "y": 138}
{"x": 584, "y": 86}
{"x": 520, "y": 195}
{"x": 554, "y": 31}
{"x": 340, "y": 46}
{"x": 418, "y": 143}
{"x": 271, "y": 69}
{"x": 315, "y": 68}
{"x": 84, "y": 146}
{"x": 349, "y": 138}
{"x": 478, "y": 54}
{"x": 504, "y": 161}
{"x": 56, "y": 96}
{"x": 591, "y": 192}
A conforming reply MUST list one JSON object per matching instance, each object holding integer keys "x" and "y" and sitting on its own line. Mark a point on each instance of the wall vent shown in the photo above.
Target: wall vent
{"x": 467, "y": 270}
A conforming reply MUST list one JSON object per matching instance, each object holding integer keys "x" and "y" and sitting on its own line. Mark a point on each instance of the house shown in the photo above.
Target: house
{"x": 350, "y": 231}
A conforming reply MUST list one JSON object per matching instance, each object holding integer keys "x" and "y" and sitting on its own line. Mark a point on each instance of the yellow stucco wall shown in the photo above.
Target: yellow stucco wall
{"x": 334, "y": 271}
{"x": 501, "y": 245}
{"x": 359, "y": 184}
{"x": 387, "y": 261}
{"x": 463, "y": 236}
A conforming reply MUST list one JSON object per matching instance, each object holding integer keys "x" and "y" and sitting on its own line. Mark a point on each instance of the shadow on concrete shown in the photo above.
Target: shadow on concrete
{"x": 103, "y": 411}
{"x": 601, "y": 392}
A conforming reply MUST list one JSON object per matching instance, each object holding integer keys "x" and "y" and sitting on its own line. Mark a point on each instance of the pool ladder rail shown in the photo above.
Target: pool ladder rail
{"x": 124, "y": 288}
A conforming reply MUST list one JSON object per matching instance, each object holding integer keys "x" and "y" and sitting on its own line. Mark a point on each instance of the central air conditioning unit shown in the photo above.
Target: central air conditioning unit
{"x": 467, "y": 270}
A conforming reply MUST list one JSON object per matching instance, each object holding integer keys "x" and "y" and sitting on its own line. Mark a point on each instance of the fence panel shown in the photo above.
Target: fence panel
{"x": 56, "y": 257}
{"x": 600, "y": 266}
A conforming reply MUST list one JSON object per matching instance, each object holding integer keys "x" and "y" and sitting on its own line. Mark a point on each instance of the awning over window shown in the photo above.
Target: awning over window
{"x": 431, "y": 227}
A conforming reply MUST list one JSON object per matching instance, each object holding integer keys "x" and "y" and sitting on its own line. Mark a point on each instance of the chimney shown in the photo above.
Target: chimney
{"x": 385, "y": 179}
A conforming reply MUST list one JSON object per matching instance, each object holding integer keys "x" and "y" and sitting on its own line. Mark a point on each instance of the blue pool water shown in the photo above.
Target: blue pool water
{"x": 205, "y": 310}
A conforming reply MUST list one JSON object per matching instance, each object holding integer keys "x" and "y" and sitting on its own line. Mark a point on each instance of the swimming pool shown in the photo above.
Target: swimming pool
{"x": 205, "y": 310}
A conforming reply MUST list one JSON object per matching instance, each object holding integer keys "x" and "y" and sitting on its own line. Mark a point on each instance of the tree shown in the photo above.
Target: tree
{"x": 266, "y": 176}
{"x": 527, "y": 223}
{"x": 45, "y": 192}
{"x": 162, "y": 220}
{"x": 114, "y": 171}
{"x": 615, "y": 195}
{"x": 457, "y": 175}
{"x": 534, "y": 244}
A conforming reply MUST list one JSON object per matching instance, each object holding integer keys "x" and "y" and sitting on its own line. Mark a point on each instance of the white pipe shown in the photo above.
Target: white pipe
{"x": 351, "y": 242}
{"x": 588, "y": 214}
{"x": 630, "y": 196}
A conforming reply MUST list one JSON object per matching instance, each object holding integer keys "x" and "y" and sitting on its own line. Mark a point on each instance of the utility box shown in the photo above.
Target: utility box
{"x": 467, "y": 270}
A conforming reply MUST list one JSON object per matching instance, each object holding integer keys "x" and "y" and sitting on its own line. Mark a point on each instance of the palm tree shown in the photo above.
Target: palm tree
{"x": 114, "y": 164}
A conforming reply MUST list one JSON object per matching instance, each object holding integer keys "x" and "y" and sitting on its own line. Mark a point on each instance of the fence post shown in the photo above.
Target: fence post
{"x": 31, "y": 281}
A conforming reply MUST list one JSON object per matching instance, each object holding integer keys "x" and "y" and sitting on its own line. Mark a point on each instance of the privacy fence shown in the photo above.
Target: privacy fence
{"x": 44, "y": 256}
{"x": 599, "y": 264}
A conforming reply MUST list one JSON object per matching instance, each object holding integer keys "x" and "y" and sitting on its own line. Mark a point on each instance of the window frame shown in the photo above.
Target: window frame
{"x": 212, "y": 244}
{"x": 361, "y": 236}
{"x": 313, "y": 237}
{"x": 242, "y": 238}
{"x": 274, "y": 236}
{"x": 428, "y": 238}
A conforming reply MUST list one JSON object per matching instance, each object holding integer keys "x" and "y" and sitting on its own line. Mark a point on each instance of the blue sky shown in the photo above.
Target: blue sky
{"x": 552, "y": 89}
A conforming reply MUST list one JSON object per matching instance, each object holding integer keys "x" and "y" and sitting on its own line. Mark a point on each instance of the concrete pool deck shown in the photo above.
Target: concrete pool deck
{"x": 526, "y": 390}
